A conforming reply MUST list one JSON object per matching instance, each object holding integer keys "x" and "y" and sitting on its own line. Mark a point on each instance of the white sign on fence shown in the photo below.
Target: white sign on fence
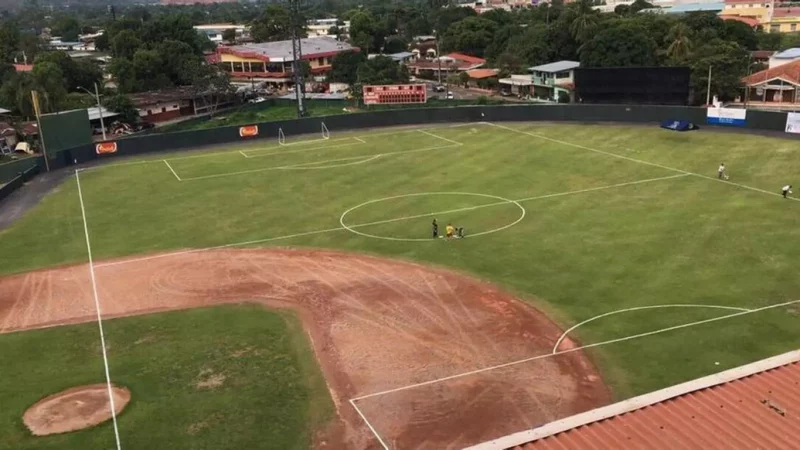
{"x": 793, "y": 122}
{"x": 726, "y": 116}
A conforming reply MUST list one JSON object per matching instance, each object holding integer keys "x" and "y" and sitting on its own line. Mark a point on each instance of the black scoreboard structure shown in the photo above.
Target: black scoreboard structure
{"x": 633, "y": 85}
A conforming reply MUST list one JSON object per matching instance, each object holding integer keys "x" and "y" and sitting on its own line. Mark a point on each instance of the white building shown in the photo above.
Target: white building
{"x": 785, "y": 57}
{"x": 545, "y": 82}
{"x": 214, "y": 31}
{"x": 321, "y": 27}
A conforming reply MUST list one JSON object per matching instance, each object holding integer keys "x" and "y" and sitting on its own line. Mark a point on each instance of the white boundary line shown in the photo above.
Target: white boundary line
{"x": 243, "y": 172}
{"x": 241, "y": 152}
{"x": 172, "y": 170}
{"x": 360, "y": 140}
{"x": 597, "y": 344}
{"x": 289, "y": 152}
{"x": 503, "y": 201}
{"x": 364, "y": 418}
{"x": 311, "y": 166}
{"x": 99, "y": 315}
{"x": 396, "y": 219}
{"x": 539, "y": 136}
{"x": 424, "y": 131}
{"x": 638, "y": 308}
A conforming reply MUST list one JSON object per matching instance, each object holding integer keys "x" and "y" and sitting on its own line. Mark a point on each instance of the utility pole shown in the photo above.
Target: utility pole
{"x": 708, "y": 90}
{"x": 297, "y": 54}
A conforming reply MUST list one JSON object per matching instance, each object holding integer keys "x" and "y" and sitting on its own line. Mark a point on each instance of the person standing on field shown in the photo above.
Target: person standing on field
{"x": 786, "y": 190}
{"x": 435, "y": 227}
{"x": 721, "y": 172}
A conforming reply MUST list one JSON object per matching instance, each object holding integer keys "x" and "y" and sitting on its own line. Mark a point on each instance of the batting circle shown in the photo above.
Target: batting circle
{"x": 351, "y": 228}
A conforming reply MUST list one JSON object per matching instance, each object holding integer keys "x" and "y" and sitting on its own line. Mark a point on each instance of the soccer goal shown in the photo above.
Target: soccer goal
{"x": 281, "y": 137}
{"x": 326, "y": 134}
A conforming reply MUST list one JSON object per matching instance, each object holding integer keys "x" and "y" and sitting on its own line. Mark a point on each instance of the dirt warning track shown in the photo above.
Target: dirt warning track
{"x": 376, "y": 325}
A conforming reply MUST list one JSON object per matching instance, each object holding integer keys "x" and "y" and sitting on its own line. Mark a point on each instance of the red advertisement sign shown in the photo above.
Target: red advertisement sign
{"x": 248, "y": 131}
{"x": 106, "y": 147}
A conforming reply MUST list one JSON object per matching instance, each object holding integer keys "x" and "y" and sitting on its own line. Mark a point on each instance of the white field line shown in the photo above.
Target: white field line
{"x": 311, "y": 166}
{"x": 638, "y": 308}
{"x": 172, "y": 170}
{"x": 597, "y": 344}
{"x": 360, "y": 140}
{"x": 364, "y": 418}
{"x": 243, "y": 172}
{"x": 397, "y": 219}
{"x": 241, "y": 152}
{"x": 743, "y": 186}
{"x": 439, "y": 137}
{"x": 99, "y": 314}
{"x": 322, "y": 147}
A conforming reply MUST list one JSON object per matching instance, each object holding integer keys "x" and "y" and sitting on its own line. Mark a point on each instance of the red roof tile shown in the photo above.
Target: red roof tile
{"x": 756, "y": 406}
{"x": 789, "y": 72}
{"x": 466, "y": 58}
{"x": 786, "y": 12}
{"x": 23, "y": 67}
{"x": 482, "y": 73}
{"x": 752, "y": 21}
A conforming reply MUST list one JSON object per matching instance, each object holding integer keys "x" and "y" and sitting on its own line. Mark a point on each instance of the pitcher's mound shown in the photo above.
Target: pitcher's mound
{"x": 74, "y": 409}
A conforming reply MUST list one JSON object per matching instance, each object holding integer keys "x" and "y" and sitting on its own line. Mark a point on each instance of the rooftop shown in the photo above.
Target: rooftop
{"x": 751, "y": 21}
{"x": 554, "y": 67}
{"x": 482, "y": 73}
{"x": 94, "y": 114}
{"x": 695, "y": 7}
{"x": 23, "y": 67}
{"x": 791, "y": 53}
{"x": 786, "y": 12}
{"x": 788, "y": 72}
{"x": 749, "y": 407}
{"x": 4, "y": 111}
{"x": 466, "y": 58}
{"x": 281, "y": 51}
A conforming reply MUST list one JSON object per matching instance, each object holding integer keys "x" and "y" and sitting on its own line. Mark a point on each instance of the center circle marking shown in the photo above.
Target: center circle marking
{"x": 351, "y": 228}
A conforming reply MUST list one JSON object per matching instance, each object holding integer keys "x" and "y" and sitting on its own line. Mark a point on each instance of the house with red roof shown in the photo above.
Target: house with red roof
{"x": 776, "y": 87}
{"x": 448, "y": 64}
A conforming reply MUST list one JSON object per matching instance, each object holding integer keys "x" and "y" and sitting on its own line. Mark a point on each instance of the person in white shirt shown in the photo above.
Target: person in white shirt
{"x": 721, "y": 172}
{"x": 786, "y": 190}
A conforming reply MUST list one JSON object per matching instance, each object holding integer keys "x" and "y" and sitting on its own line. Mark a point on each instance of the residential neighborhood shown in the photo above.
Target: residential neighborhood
{"x": 152, "y": 68}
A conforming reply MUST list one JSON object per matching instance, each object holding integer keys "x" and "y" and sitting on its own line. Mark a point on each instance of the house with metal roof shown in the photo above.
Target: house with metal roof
{"x": 545, "y": 82}
{"x": 785, "y": 57}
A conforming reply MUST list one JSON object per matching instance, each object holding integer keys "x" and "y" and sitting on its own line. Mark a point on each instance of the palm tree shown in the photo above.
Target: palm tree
{"x": 585, "y": 21}
{"x": 680, "y": 44}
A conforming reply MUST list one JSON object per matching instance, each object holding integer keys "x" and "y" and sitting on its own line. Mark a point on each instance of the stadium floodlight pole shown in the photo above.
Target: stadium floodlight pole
{"x": 708, "y": 90}
{"x": 99, "y": 107}
{"x": 297, "y": 54}
{"x": 35, "y": 101}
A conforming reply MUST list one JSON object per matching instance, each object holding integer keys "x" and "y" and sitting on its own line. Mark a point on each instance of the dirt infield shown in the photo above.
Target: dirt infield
{"x": 74, "y": 409}
{"x": 375, "y": 324}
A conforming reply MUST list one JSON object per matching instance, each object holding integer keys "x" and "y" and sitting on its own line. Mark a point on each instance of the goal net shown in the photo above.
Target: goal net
{"x": 326, "y": 134}
{"x": 281, "y": 137}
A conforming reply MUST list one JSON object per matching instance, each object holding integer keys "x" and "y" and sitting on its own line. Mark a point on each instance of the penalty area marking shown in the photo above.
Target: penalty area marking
{"x": 638, "y": 308}
{"x": 172, "y": 170}
{"x": 502, "y": 201}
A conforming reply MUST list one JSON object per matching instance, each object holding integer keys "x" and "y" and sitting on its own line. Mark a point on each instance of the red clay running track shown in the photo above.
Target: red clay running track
{"x": 375, "y": 324}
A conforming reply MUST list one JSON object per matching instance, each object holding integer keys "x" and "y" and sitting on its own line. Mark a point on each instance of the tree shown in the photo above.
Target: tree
{"x": 463, "y": 79}
{"x": 640, "y": 5}
{"x": 563, "y": 97}
{"x": 625, "y": 45}
{"x": 124, "y": 74}
{"x": 178, "y": 61}
{"x": 29, "y": 45}
{"x": 9, "y": 40}
{"x": 741, "y": 33}
{"x": 125, "y": 44}
{"x": 471, "y": 35}
{"x": 212, "y": 84}
{"x": 508, "y": 63}
{"x": 585, "y": 21}
{"x": 345, "y": 67}
{"x": 274, "y": 24}
{"x": 50, "y": 83}
{"x": 366, "y": 32}
{"x": 728, "y": 62}
{"x": 680, "y": 44}
{"x": 68, "y": 28}
{"x": 229, "y": 35}
{"x": 122, "y": 105}
{"x": 382, "y": 70}
{"x": 16, "y": 93}
{"x": 395, "y": 44}
{"x": 147, "y": 65}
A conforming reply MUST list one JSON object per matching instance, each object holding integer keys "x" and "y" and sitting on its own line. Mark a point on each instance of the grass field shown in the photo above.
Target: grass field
{"x": 164, "y": 359}
{"x": 579, "y": 220}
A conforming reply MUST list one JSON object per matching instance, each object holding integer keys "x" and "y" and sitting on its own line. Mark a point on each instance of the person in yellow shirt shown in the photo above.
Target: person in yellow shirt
{"x": 450, "y": 231}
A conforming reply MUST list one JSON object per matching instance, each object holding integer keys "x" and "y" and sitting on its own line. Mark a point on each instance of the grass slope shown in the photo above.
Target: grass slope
{"x": 597, "y": 249}
{"x": 272, "y": 397}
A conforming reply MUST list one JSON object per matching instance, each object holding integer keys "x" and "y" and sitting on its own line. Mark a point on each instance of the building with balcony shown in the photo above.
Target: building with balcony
{"x": 756, "y": 9}
{"x": 784, "y": 20}
{"x": 214, "y": 31}
{"x": 272, "y": 62}
{"x": 545, "y": 82}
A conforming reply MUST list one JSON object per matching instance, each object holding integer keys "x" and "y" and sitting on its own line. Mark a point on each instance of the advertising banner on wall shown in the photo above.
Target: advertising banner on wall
{"x": 793, "y": 122}
{"x": 248, "y": 131}
{"x": 106, "y": 147}
{"x": 726, "y": 116}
